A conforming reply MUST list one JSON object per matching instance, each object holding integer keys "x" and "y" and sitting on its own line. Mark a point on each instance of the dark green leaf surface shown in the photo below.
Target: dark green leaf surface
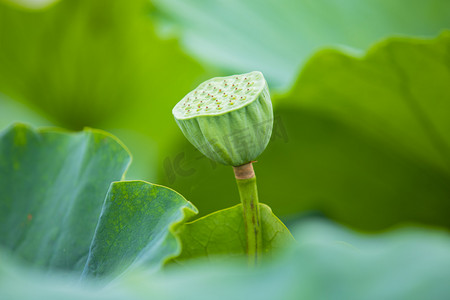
{"x": 277, "y": 36}
{"x": 221, "y": 235}
{"x": 363, "y": 140}
{"x": 405, "y": 264}
{"x": 53, "y": 212}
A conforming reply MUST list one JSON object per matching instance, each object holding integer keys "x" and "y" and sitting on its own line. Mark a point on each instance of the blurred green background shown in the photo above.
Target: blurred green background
{"x": 360, "y": 91}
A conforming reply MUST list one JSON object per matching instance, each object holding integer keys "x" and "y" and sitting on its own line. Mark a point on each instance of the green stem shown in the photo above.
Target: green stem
{"x": 246, "y": 182}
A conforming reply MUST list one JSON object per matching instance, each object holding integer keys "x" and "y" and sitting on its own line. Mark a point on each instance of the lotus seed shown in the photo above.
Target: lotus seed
{"x": 203, "y": 98}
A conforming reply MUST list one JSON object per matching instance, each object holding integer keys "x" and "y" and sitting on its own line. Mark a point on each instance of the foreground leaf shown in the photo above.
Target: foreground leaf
{"x": 364, "y": 141}
{"x": 53, "y": 186}
{"x": 137, "y": 228}
{"x": 406, "y": 264}
{"x": 221, "y": 235}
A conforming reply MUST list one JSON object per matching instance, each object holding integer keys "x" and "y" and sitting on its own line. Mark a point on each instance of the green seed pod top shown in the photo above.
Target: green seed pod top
{"x": 228, "y": 119}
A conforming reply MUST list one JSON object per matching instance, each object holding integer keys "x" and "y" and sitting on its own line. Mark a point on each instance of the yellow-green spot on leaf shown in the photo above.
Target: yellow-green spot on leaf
{"x": 20, "y": 137}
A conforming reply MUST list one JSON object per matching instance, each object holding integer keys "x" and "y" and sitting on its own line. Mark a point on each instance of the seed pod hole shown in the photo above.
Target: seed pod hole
{"x": 229, "y": 89}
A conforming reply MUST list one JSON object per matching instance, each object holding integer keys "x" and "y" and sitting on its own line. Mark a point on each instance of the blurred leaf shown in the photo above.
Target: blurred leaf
{"x": 53, "y": 186}
{"x": 84, "y": 62}
{"x": 363, "y": 140}
{"x": 277, "y": 36}
{"x": 31, "y": 4}
{"x": 221, "y": 235}
{"x": 406, "y": 264}
{"x": 96, "y": 63}
{"x": 397, "y": 94}
{"x": 12, "y": 111}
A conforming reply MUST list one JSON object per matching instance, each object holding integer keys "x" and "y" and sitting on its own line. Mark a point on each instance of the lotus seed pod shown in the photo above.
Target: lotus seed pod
{"x": 228, "y": 119}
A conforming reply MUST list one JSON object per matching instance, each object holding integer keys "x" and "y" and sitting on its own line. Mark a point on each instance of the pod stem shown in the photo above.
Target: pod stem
{"x": 246, "y": 182}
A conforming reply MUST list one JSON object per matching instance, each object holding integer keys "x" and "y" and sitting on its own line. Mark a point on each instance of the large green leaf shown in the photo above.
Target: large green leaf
{"x": 53, "y": 185}
{"x": 406, "y": 264}
{"x": 363, "y": 140}
{"x": 53, "y": 211}
{"x": 221, "y": 235}
{"x": 277, "y": 36}
{"x": 137, "y": 227}
{"x": 397, "y": 93}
